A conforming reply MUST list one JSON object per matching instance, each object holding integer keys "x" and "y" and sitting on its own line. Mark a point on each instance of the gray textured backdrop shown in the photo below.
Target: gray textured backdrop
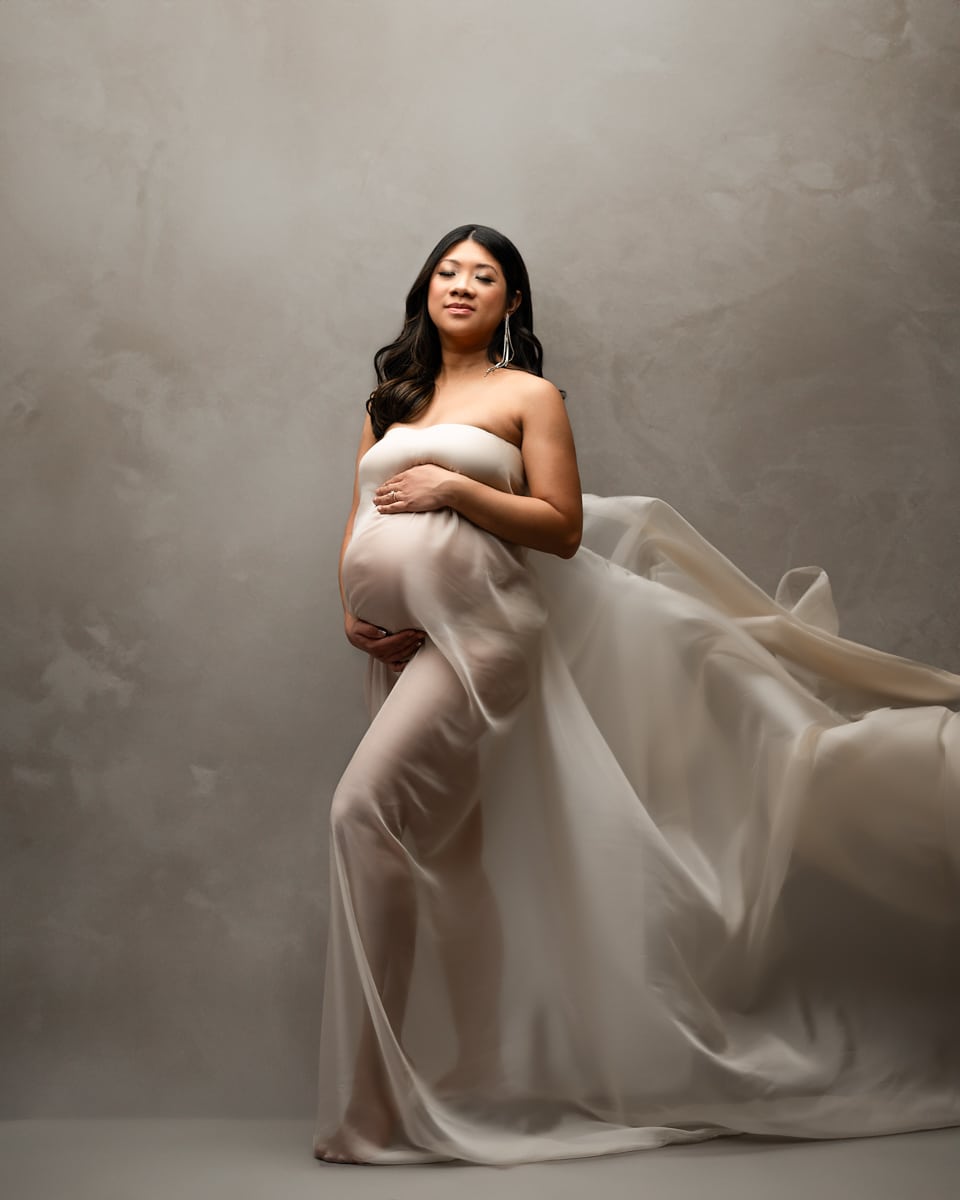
{"x": 741, "y": 220}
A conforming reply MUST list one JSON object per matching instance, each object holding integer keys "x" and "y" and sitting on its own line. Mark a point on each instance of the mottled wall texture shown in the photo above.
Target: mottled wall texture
{"x": 741, "y": 219}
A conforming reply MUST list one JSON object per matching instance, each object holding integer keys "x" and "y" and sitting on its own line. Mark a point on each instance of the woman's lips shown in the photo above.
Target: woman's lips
{"x": 459, "y": 308}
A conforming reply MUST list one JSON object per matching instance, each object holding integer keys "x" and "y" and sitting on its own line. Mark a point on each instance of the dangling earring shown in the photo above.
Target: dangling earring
{"x": 507, "y": 354}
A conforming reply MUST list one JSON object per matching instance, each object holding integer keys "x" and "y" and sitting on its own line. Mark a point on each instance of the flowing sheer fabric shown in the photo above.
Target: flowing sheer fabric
{"x": 631, "y": 853}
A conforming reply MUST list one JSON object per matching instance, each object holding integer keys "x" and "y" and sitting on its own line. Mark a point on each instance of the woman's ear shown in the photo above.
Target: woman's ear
{"x": 512, "y": 308}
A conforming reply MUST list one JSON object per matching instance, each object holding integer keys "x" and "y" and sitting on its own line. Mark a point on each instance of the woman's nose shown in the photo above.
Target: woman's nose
{"x": 462, "y": 285}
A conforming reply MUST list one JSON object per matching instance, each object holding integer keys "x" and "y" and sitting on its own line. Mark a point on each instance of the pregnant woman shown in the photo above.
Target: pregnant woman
{"x": 631, "y": 853}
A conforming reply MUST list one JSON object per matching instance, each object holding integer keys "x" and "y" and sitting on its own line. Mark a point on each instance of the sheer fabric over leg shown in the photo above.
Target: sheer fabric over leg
{"x": 407, "y": 852}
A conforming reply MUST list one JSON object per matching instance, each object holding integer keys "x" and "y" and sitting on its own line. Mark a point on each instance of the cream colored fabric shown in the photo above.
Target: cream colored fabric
{"x": 632, "y": 853}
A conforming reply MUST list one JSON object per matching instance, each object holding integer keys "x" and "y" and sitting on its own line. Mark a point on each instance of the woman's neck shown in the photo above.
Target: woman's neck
{"x": 461, "y": 365}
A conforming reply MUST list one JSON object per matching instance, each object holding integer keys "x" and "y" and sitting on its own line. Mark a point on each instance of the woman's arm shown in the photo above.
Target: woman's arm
{"x": 392, "y": 648}
{"x": 549, "y": 518}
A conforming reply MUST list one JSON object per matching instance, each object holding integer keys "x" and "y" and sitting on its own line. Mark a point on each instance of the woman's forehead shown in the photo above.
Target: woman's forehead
{"x": 471, "y": 254}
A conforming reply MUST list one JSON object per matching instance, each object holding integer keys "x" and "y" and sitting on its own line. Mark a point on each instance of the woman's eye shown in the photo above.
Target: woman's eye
{"x": 446, "y": 274}
{"x": 485, "y": 279}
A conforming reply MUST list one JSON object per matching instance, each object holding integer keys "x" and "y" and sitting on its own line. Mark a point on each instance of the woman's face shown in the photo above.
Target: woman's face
{"x": 467, "y": 297}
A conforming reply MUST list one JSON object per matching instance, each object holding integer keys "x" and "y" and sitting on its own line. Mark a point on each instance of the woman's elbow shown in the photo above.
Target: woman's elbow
{"x": 570, "y": 542}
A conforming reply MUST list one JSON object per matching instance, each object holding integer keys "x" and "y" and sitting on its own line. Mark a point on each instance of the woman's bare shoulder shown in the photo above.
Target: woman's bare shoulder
{"x": 533, "y": 389}
{"x": 527, "y": 403}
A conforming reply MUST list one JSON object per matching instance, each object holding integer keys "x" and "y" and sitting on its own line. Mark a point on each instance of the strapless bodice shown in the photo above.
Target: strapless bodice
{"x": 472, "y": 451}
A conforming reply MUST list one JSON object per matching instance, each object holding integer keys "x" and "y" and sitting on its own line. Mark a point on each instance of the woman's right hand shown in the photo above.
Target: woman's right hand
{"x": 393, "y": 649}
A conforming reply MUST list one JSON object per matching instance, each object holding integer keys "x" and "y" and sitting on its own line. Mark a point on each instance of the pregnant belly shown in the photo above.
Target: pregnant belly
{"x": 422, "y": 570}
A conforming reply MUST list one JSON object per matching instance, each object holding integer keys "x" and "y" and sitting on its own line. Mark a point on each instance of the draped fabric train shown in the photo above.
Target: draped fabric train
{"x": 662, "y": 858}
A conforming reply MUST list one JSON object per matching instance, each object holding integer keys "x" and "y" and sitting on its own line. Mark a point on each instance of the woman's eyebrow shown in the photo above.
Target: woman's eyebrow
{"x": 481, "y": 266}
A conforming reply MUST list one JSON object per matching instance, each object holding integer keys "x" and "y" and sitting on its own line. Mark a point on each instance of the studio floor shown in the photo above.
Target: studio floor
{"x": 270, "y": 1160}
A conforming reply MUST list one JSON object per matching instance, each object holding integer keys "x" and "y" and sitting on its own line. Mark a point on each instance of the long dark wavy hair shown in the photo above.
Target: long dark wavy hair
{"x": 407, "y": 368}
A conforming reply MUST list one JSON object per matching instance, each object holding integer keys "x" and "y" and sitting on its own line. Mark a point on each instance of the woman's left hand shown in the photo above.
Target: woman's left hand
{"x": 418, "y": 489}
